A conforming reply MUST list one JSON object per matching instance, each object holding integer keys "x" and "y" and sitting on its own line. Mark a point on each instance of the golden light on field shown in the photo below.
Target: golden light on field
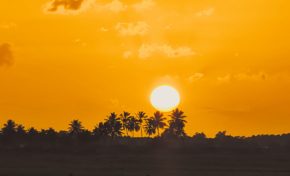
{"x": 165, "y": 98}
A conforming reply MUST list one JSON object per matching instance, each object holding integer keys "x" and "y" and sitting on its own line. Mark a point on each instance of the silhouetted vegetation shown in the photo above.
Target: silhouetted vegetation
{"x": 161, "y": 148}
{"x": 155, "y": 130}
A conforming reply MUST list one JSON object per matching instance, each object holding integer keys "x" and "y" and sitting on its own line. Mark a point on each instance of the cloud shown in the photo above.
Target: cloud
{"x": 148, "y": 50}
{"x": 104, "y": 29}
{"x": 132, "y": 29}
{"x": 261, "y": 76}
{"x": 77, "y": 6}
{"x": 168, "y": 79}
{"x": 206, "y": 12}
{"x": 68, "y": 6}
{"x": 195, "y": 77}
{"x": 6, "y": 55}
{"x": 10, "y": 25}
{"x": 79, "y": 42}
{"x": 224, "y": 79}
{"x": 127, "y": 54}
{"x": 115, "y": 6}
{"x": 143, "y": 5}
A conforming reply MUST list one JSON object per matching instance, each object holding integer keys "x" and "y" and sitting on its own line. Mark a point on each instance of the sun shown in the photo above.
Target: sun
{"x": 165, "y": 98}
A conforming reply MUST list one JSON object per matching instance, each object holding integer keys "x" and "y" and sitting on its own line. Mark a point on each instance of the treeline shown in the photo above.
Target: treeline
{"x": 121, "y": 129}
{"x": 122, "y": 125}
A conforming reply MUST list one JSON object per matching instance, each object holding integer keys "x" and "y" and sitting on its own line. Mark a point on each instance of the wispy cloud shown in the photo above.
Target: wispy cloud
{"x": 9, "y": 25}
{"x": 206, "y": 12}
{"x": 144, "y": 5}
{"x": 115, "y": 6}
{"x": 132, "y": 29}
{"x": 104, "y": 29}
{"x": 260, "y": 76}
{"x": 195, "y": 77}
{"x": 79, "y": 42}
{"x": 127, "y": 54}
{"x": 148, "y": 50}
{"x": 6, "y": 55}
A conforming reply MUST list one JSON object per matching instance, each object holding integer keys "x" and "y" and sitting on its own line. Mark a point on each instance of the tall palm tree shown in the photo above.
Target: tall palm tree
{"x": 101, "y": 130}
{"x": 150, "y": 126}
{"x": 113, "y": 125}
{"x": 177, "y": 123}
{"x": 159, "y": 121}
{"x": 133, "y": 124}
{"x": 141, "y": 116}
{"x": 75, "y": 127}
{"x": 125, "y": 121}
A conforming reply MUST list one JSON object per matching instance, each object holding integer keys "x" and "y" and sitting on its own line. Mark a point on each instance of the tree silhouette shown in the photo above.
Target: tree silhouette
{"x": 199, "y": 136}
{"x": 49, "y": 134}
{"x": 75, "y": 128}
{"x": 20, "y": 131}
{"x": 141, "y": 116}
{"x": 221, "y": 135}
{"x": 125, "y": 121}
{"x": 133, "y": 124}
{"x": 149, "y": 127}
{"x": 9, "y": 128}
{"x": 101, "y": 130}
{"x": 177, "y": 123}
{"x": 159, "y": 121}
{"x": 113, "y": 125}
{"x": 32, "y": 133}
{"x": 14, "y": 136}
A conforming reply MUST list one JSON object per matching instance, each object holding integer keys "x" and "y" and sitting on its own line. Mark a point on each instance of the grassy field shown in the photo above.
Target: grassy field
{"x": 144, "y": 163}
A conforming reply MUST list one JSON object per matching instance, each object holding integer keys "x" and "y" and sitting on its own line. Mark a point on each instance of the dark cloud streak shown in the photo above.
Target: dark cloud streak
{"x": 6, "y": 55}
{"x": 66, "y": 4}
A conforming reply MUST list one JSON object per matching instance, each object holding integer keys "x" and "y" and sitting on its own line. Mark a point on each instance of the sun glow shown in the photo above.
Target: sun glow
{"x": 165, "y": 98}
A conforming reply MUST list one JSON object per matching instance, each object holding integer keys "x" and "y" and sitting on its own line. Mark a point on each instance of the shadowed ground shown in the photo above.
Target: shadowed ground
{"x": 145, "y": 163}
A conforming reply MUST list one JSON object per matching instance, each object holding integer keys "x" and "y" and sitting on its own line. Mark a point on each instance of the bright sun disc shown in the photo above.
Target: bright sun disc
{"x": 165, "y": 98}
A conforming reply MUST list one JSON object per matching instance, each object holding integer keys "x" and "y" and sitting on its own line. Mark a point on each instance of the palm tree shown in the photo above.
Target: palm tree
{"x": 133, "y": 124}
{"x": 125, "y": 121}
{"x": 101, "y": 130}
{"x": 113, "y": 125}
{"x": 141, "y": 116}
{"x": 9, "y": 128}
{"x": 150, "y": 126}
{"x": 159, "y": 121}
{"x": 177, "y": 123}
{"x": 75, "y": 127}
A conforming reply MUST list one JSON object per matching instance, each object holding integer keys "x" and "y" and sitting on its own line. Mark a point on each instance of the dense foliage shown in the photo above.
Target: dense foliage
{"x": 121, "y": 129}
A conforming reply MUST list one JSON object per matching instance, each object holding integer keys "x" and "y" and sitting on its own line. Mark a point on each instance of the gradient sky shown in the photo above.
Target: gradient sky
{"x": 81, "y": 59}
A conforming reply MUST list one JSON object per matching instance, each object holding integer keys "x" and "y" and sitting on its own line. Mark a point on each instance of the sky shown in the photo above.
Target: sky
{"x": 82, "y": 59}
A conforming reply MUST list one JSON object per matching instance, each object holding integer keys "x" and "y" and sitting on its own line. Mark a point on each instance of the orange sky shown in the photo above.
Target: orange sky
{"x": 229, "y": 60}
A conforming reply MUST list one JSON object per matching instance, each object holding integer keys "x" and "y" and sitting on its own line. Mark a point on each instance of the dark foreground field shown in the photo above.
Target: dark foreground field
{"x": 157, "y": 162}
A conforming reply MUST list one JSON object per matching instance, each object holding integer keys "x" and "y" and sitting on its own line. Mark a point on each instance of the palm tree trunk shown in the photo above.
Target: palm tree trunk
{"x": 141, "y": 132}
{"x": 158, "y": 132}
